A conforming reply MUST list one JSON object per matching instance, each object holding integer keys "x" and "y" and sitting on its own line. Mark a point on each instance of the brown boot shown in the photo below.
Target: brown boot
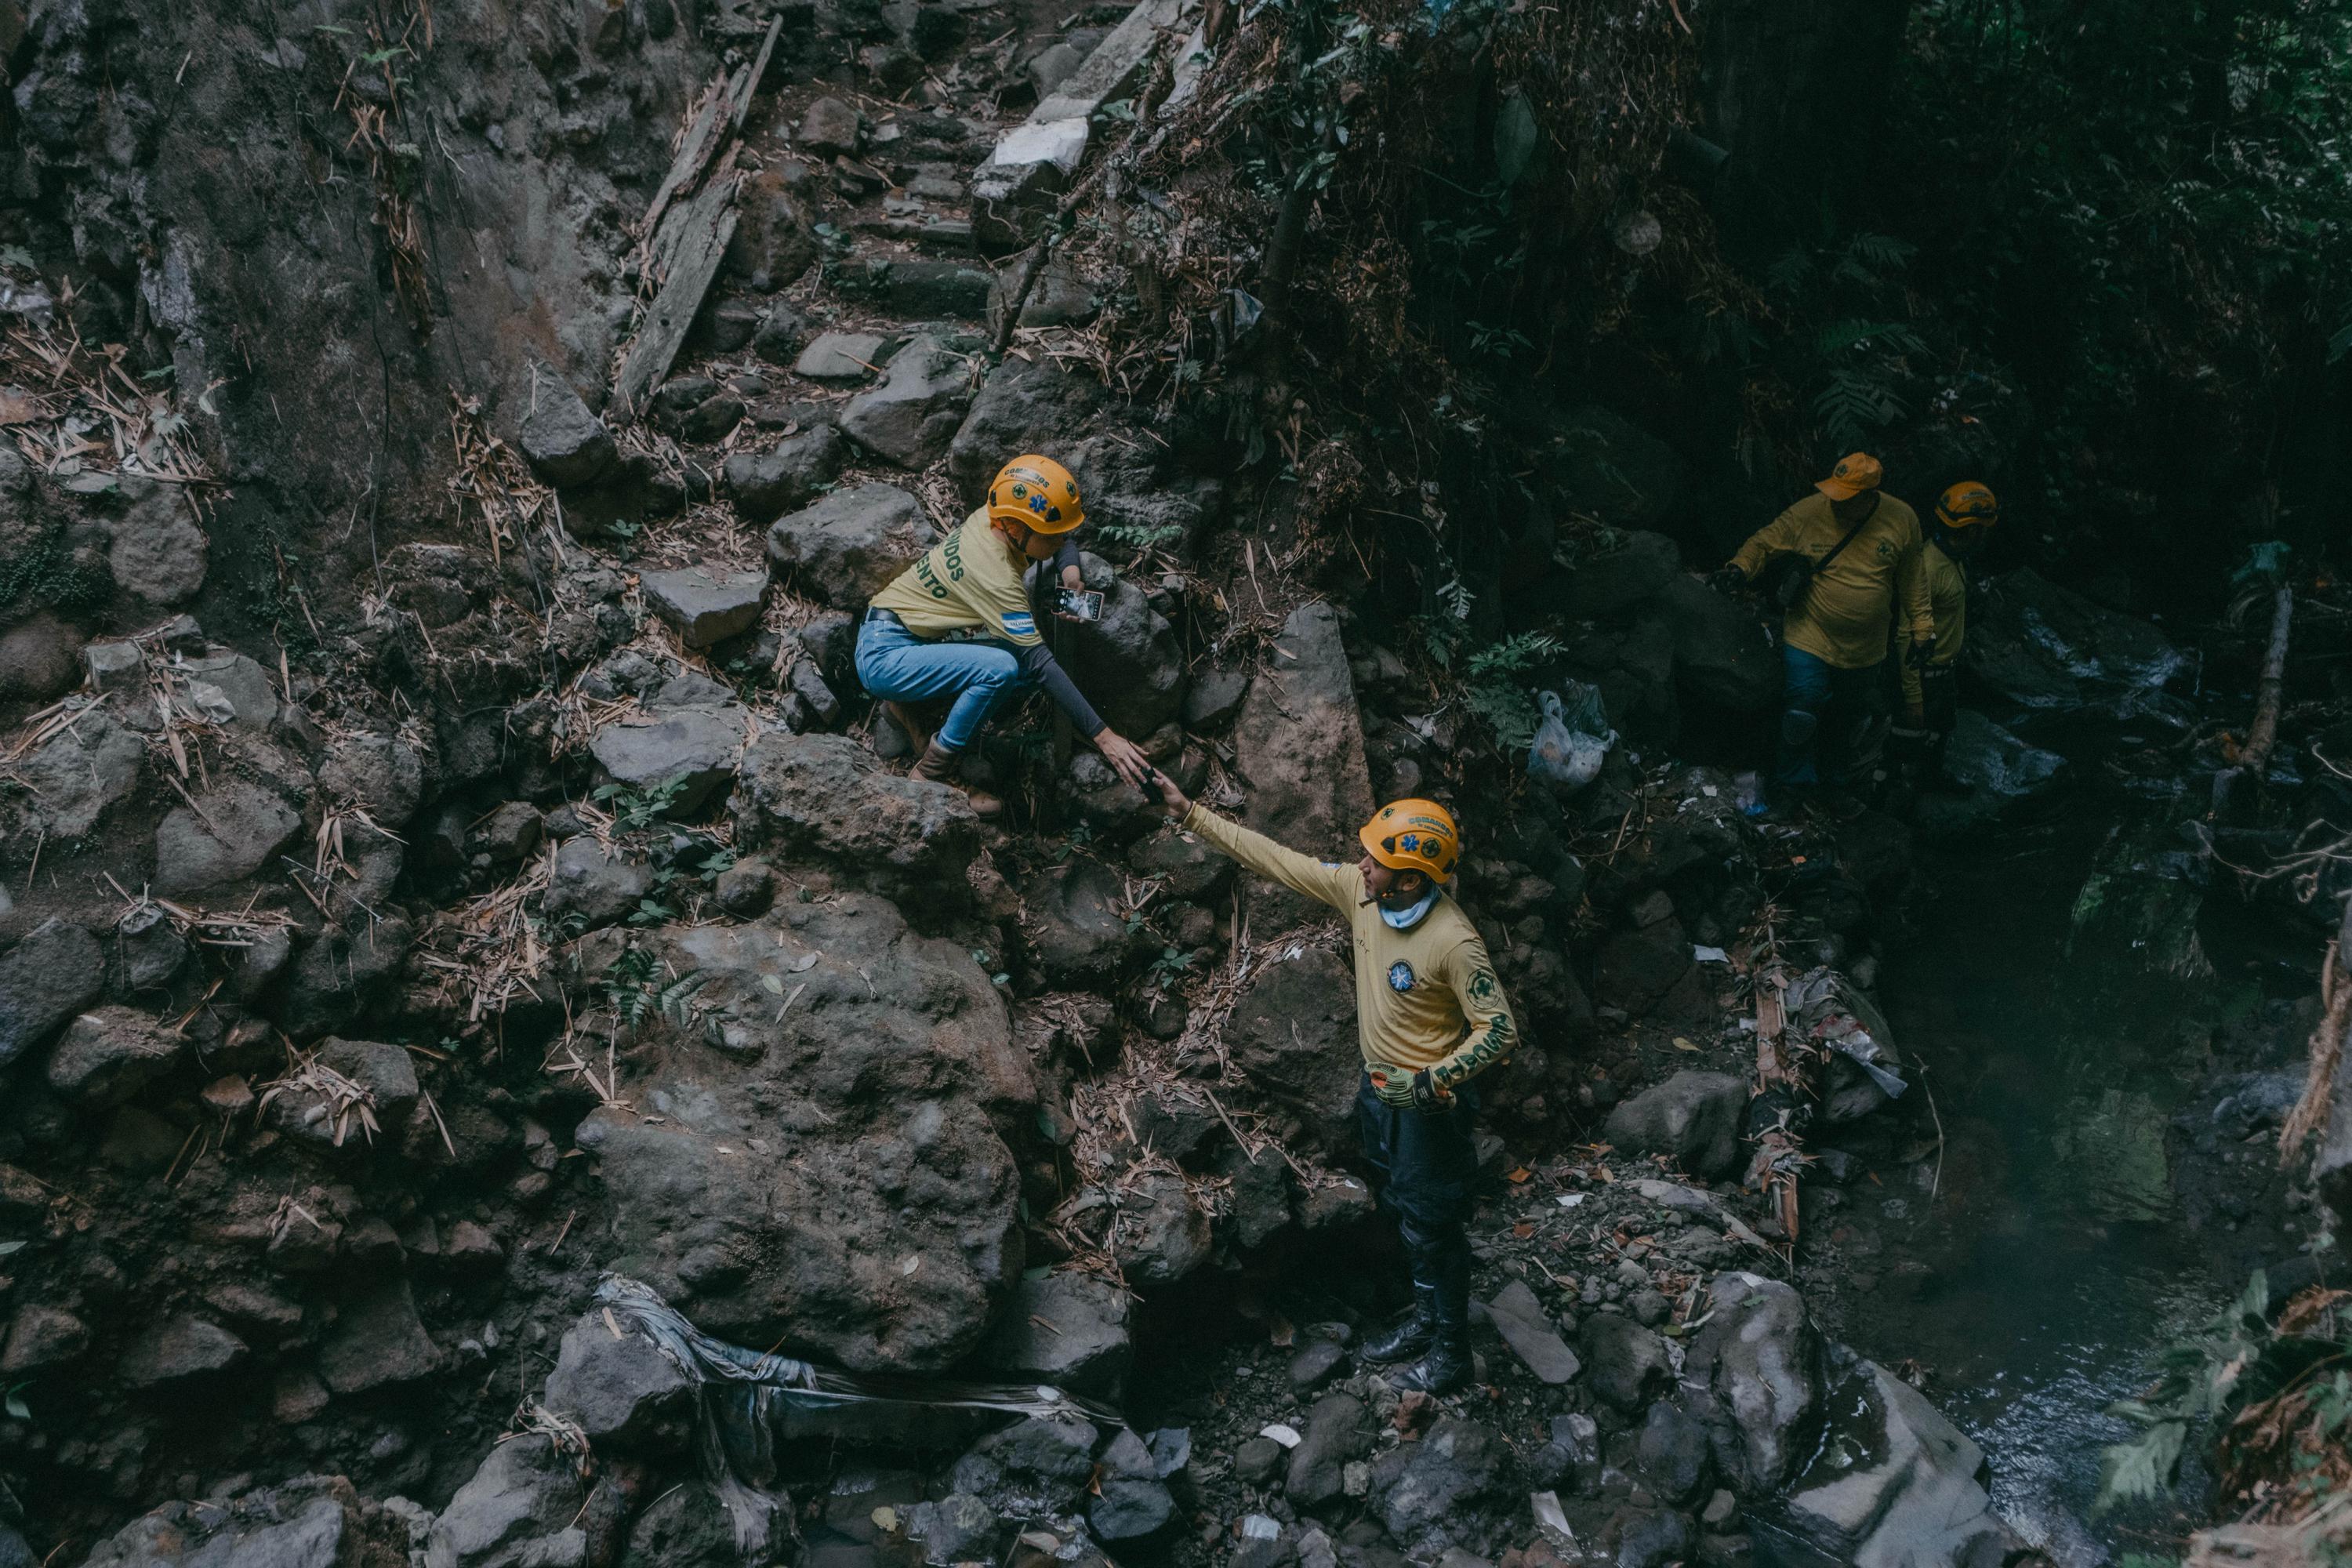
{"x": 918, "y": 738}
{"x": 938, "y": 765}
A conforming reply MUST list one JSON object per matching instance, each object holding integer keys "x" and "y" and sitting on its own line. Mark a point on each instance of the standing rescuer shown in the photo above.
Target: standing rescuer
{"x": 1965, "y": 514}
{"x": 958, "y": 624}
{"x": 1853, "y": 548}
{"x": 1430, "y": 1018}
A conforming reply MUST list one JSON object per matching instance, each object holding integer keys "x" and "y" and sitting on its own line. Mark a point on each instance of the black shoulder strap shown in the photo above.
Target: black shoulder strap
{"x": 1822, "y": 564}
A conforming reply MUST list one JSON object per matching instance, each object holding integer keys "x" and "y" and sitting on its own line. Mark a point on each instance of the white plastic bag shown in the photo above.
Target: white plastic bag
{"x": 1572, "y": 741}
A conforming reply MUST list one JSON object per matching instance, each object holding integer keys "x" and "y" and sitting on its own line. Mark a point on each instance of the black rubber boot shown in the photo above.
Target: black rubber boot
{"x": 1410, "y": 1335}
{"x": 1445, "y": 1368}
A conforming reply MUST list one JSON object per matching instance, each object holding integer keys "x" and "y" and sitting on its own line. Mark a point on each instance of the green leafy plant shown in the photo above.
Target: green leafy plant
{"x": 634, "y": 810}
{"x": 1498, "y": 685}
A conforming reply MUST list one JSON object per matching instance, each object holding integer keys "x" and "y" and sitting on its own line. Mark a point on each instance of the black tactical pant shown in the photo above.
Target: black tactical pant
{"x": 1423, "y": 1164}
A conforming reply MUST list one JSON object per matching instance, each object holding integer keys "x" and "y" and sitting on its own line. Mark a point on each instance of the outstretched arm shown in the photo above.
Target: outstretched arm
{"x": 1342, "y": 886}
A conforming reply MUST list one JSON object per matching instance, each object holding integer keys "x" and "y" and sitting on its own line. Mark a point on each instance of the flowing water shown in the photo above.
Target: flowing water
{"x": 2057, "y": 1259}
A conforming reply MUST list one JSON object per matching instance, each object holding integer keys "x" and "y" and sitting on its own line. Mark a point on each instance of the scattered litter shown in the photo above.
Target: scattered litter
{"x": 1258, "y": 1526}
{"x": 1700, "y": 953}
{"x": 885, "y": 1518}
{"x": 1569, "y": 1200}
{"x": 1551, "y": 1520}
{"x": 1286, "y": 1436}
{"x": 1573, "y": 740}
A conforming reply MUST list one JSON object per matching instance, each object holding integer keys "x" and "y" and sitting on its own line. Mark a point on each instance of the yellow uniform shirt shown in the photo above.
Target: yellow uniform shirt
{"x": 967, "y": 582}
{"x": 1948, "y": 601}
{"x": 1844, "y": 617}
{"x": 1425, "y": 997}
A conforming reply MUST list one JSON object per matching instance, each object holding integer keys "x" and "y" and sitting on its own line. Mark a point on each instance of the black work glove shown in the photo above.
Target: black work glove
{"x": 1923, "y": 650}
{"x": 1426, "y": 1095}
{"x": 1727, "y": 580}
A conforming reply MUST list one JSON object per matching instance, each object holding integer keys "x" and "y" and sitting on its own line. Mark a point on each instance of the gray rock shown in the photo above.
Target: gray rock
{"x": 109, "y": 1054}
{"x": 765, "y": 485}
{"x": 1300, "y": 745}
{"x": 1338, "y": 1429}
{"x": 959, "y": 1528}
{"x": 230, "y": 688}
{"x": 521, "y": 1510}
{"x": 1129, "y": 662}
{"x": 1215, "y": 695}
{"x": 42, "y": 660}
{"x": 115, "y": 666}
{"x": 931, "y": 291}
{"x": 158, "y": 552}
{"x": 746, "y": 889}
{"x": 827, "y": 799}
{"x": 773, "y": 241}
{"x": 45, "y": 979}
{"x": 2046, "y": 646}
{"x": 1756, "y": 1372}
{"x": 377, "y": 1341}
{"x": 687, "y": 1527}
{"x": 72, "y": 778}
{"x": 1693, "y": 1118}
{"x": 1723, "y": 655}
{"x": 1672, "y": 1452}
{"x": 1069, "y": 1330}
{"x": 1163, "y": 1234}
{"x": 40, "y": 1338}
{"x": 1890, "y": 1485}
{"x": 778, "y": 337}
{"x": 565, "y": 445}
{"x": 1258, "y": 1206}
{"x": 705, "y": 607}
{"x": 830, "y": 127}
{"x": 178, "y": 1350}
{"x": 1023, "y": 407}
{"x": 236, "y": 828}
{"x": 313, "y": 1523}
{"x": 384, "y": 1071}
{"x": 1520, "y": 1318}
{"x": 596, "y": 887}
{"x": 1257, "y": 1461}
{"x": 1315, "y": 1364}
{"x": 1040, "y": 1465}
{"x": 1076, "y": 924}
{"x": 1645, "y": 1538}
{"x": 913, "y": 416}
{"x": 1609, "y": 468}
{"x": 848, "y": 546}
{"x": 1572, "y": 1455}
{"x": 622, "y": 1390}
{"x": 1625, "y": 1364}
{"x": 1636, "y": 569}
{"x": 691, "y": 750}
{"x": 1131, "y": 1510}
{"x": 509, "y": 833}
{"x": 142, "y": 953}
{"x": 380, "y": 775}
{"x": 806, "y": 683}
{"x": 841, "y": 358}
{"x": 1293, "y": 1033}
{"x": 340, "y": 972}
{"x": 1416, "y": 1488}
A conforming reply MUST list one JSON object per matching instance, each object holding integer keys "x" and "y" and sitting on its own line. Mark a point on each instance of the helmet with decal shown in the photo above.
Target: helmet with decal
{"x": 1413, "y": 836}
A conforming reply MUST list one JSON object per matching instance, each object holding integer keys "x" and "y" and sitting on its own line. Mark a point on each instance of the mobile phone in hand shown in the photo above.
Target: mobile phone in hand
{"x": 1080, "y": 603}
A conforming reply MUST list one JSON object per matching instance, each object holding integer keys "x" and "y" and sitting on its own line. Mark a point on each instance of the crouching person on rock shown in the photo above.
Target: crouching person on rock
{"x": 1430, "y": 1018}
{"x": 958, "y": 624}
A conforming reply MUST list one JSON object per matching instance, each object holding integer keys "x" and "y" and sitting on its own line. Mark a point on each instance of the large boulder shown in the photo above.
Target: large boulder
{"x": 565, "y": 445}
{"x": 521, "y": 1510}
{"x": 1293, "y": 1033}
{"x": 622, "y": 1388}
{"x": 109, "y": 1054}
{"x": 1996, "y": 773}
{"x": 912, "y": 417}
{"x": 844, "y": 549}
{"x": 53, "y": 973}
{"x": 377, "y": 1341}
{"x": 1129, "y": 663}
{"x": 230, "y": 832}
{"x": 314, "y": 1522}
{"x": 706, "y": 605}
{"x": 684, "y": 747}
{"x": 1299, "y": 745}
{"x": 1606, "y": 467}
{"x": 1074, "y": 917}
{"x": 69, "y": 780}
{"x": 827, "y": 799}
{"x": 826, "y": 1162}
{"x": 1024, "y": 406}
{"x": 1723, "y": 655}
{"x": 1693, "y": 1118}
{"x": 1892, "y": 1484}
{"x": 1040, "y": 1465}
{"x": 1067, "y": 1329}
{"x": 1636, "y": 569}
{"x": 1754, "y": 1375}
{"x": 2047, "y": 647}
{"x": 1421, "y": 1487}
{"x": 341, "y": 972}
{"x": 766, "y": 485}
{"x": 1624, "y": 1363}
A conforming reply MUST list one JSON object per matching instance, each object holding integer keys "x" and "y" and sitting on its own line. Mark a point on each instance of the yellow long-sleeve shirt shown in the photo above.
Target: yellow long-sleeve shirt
{"x": 1426, "y": 996}
{"x": 1844, "y": 615}
{"x": 1948, "y": 602}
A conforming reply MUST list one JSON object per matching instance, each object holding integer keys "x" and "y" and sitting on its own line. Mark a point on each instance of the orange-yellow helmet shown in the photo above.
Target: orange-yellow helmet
{"x": 1969, "y": 504}
{"x": 1037, "y": 494}
{"x": 1413, "y": 836}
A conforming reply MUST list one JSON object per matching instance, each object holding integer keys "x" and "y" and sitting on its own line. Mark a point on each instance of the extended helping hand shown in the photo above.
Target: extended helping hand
{"x": 1171, "y": 796}
{"x": 1124, "y": 756}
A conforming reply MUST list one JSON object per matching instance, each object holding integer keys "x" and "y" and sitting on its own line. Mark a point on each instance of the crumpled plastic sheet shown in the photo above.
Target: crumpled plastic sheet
{"x": 1825, "y": 1008}
{"x": 746, "y": 1399}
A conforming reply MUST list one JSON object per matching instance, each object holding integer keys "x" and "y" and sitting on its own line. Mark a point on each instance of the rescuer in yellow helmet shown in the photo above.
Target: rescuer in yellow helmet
{"x": 1430, "y": 1018}
{"x": 1964, "y": 517}
{"x": 958, "y": 623}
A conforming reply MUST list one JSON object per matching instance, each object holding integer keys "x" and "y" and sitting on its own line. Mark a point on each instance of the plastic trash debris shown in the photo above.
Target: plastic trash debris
{"x": 1573, "y": 738}
{"x": 1702, "y": 953}
{"x": 1286, "y": 1436}
{"x": 1821, "y": 1006}
{"x": 1551, "y": 1520}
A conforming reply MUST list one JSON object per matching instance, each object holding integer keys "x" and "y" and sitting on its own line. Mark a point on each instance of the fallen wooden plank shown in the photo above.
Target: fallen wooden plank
{"x": 704, "y": 226}
{"x": 759, "y": 70}
{"x": 718, "y": 123}
{"x": 1114, "y": 62}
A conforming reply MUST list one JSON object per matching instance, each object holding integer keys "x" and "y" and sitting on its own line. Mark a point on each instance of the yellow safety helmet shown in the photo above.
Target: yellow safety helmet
{"x": 1969, "y": 504}
{"x": 1413, "y": 836}
{"x": 1037, "y": 494}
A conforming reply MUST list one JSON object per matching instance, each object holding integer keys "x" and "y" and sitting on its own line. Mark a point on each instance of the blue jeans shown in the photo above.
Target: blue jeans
{"x": 1815, "y": 693}
{"x": 896, "y": 666}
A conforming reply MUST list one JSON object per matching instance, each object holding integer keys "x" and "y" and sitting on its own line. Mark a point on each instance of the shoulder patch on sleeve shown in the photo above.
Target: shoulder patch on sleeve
{"x": 1020, "y": 624}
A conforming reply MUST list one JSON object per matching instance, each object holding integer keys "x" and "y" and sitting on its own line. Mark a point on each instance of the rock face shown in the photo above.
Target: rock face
{"x": 1300, "y": 744}
{"x": 521, "y": 1510}
{"x": 2046, "y": 647}
{"x": 1892, "y": 1484}
{"x": 1128, "y": 664}
{"x": 110, "y": 1054}
{"x": 1068, "y": 1330}
{"x": 912, "y": 417}
{"x": 828, "y": 1168}
{"x": 827, "y": 799}
{"x": 1416, "y": 1488}
{"x": 564, "y": 444}
{"x": 846, "y": 549}
{"x": 1756, "y": 1373}
{"x": 1615, "y": 581}
{"x": 45, "y": 979}
{"x": 1625, "y": 1364}
{"x": 72, "y": 778}
{"x": 622, "y": 1390}
{"x": 1693, "y": 1116}
{"x": 1293, "y": 1031}
{"x": 312, "y": 1523}
{"x": 1722, "y": 653}
{"x": 241, "y": 827}
{"x": 689, "y": 746}
{"x": 766, "y": 485}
